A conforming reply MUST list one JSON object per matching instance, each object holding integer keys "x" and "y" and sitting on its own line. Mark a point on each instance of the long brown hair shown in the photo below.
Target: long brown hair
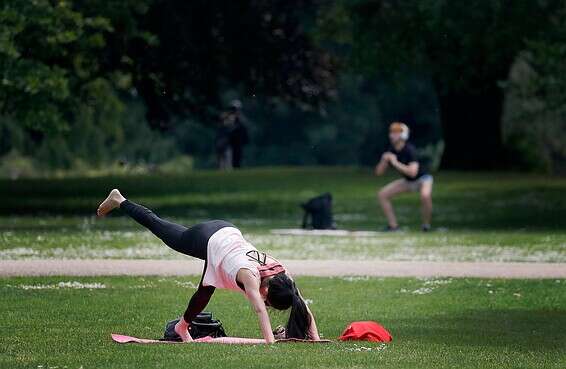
{"x": 282, "y": 294}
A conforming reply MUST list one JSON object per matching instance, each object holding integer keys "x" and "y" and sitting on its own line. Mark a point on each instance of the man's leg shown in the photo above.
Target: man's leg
{"x": 426, "y": 203}
{"x": 384, "y": 196}
{"x": 237, "y": 156}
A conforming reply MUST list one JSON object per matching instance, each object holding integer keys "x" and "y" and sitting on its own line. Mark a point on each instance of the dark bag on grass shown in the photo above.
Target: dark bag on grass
{"x": 202, "y": 325}
{"x": 319, "y": 211}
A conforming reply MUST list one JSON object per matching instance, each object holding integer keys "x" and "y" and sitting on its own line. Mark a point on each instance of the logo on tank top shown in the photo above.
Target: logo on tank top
{"x": 259, "y": 257}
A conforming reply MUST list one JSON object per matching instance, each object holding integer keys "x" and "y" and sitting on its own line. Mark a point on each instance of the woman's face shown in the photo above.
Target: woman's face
{"x": 263, "y": 288}
{"x": 263, "y": 291}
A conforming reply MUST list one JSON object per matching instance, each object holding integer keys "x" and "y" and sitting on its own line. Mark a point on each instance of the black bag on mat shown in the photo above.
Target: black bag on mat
{"x": 319, "y": 210}
{"x": 202, "y": 325}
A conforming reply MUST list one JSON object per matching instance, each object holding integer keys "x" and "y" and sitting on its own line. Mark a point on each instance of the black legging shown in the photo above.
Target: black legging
{"x": 191, "y": 241}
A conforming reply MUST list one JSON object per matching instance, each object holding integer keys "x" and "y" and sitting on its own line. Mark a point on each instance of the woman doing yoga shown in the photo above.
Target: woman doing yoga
{"x": 230, "y": 262}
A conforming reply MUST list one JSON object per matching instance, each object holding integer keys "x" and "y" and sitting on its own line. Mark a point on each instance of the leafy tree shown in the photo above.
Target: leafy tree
{"x": 48, "y": 61}
{"x": 69, "y": 67}
{"x": 204, "y": 47}
{"x": 546, "y": 58}
{"x": 466, "y": 47}
{"x": 178, "y": 56}
{"x": 534, "y": 120}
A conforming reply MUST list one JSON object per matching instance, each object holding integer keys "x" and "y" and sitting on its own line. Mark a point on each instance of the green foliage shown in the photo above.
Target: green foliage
{"x": 194, "y": 50}
{"x": 69, "y": 70}
{"x": 13, "y": 165}
{"x": 534, "y": 116}
{"x": 546, "y": 58}
{"x": 431, "y": 154}
{"x": 105, "y": 135}
{"x": 180, "y": 165}
{"x": 48, "y": 52}
{"x": 465, "y": 47}
{"x": 445, "y": 38}
{"x": 352, "y": 129}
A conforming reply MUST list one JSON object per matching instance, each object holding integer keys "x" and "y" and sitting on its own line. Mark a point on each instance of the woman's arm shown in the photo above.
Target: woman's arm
{"x": 313, "y": 330}
{"x": 251, "y": 284}
{"x": 264, "y": 322}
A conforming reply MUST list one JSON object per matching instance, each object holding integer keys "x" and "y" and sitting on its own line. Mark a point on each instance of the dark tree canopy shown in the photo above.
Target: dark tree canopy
{"x": 207, "y": 46}
{"x": 467, "y": 47}
{"x": 178, "y": 56}
{"x": 49, "y": 61}
{"x": 70, "y": 67}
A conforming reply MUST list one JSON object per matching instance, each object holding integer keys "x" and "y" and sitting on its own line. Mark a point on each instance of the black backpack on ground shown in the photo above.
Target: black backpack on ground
{"x": 202, "y": 325}
{"x": 319, "y": 210}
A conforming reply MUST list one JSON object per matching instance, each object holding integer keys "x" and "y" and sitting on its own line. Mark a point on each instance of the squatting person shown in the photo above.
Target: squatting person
{"x": 231, "y": 263}
{"x": 402, "y": 156}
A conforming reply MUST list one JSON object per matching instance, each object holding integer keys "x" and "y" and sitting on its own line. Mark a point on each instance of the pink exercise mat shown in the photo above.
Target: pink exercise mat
{"x": 120, "y": 338}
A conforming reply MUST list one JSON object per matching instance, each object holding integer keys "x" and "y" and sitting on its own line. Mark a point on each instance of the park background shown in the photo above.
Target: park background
{"x": 128, "y": 94}
{"x": 88, "y": 86}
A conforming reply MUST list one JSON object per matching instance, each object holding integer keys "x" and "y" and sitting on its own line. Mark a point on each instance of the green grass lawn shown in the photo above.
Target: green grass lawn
{"x": 448, "y": 323}
{"x": 478, "y": 216}
{"x": 440, "y": 323}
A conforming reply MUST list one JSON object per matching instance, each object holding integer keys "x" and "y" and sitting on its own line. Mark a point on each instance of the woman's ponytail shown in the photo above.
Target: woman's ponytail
{"x": 299, "y": 318}
{"x": 282, "y": 295}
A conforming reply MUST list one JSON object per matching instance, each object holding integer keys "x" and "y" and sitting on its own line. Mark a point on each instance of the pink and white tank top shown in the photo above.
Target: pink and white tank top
{"x": 227, "y": 250}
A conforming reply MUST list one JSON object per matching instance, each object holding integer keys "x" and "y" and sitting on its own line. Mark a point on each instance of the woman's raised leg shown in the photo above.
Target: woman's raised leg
{"x": 170, "y": 233}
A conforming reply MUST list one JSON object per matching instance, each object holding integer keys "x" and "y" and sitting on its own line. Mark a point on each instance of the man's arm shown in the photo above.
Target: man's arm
{"x": 251, "y": 284}
{"x": 410, "y": 170}
{"x": 381, "y": 167}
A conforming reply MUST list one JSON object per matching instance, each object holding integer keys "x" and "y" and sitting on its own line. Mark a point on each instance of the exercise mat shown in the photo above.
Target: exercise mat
{"x": 119, "y": 338}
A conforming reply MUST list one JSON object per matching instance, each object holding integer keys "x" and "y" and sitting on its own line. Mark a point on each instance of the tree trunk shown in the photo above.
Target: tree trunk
{"x": 471, "y": 124}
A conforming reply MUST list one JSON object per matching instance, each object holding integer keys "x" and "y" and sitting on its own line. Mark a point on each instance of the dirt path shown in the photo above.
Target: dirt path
{"x": 79, "y": 267}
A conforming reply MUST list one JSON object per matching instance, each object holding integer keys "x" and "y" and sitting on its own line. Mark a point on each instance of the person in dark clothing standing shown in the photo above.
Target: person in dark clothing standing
{"x": 222, "y": 142}
{"x": 238, "y": 134}
{"x": 402, "y": 156}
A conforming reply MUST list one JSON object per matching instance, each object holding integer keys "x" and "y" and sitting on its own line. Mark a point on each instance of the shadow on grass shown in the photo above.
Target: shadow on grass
{"x": 538, "y": 330}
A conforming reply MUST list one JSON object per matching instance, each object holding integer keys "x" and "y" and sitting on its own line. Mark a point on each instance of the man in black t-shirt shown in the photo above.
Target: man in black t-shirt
{"x": 402, "y": 156}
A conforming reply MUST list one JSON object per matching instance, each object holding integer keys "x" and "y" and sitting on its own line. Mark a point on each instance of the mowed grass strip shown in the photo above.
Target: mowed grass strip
{"x": 477, "y": 216}
{"x": 441, "y": 323}
{"x": 270, "y": 197}
{"x": 88, "y": 243}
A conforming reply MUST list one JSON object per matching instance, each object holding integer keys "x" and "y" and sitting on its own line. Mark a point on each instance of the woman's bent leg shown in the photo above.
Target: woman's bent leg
{"x": 197, "y": 303}
{"x": 170, "y": 233}
{"x": 199, "y": 300}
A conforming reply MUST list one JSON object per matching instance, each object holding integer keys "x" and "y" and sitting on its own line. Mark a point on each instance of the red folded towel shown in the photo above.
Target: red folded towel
{"x": 365, "y": 331}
